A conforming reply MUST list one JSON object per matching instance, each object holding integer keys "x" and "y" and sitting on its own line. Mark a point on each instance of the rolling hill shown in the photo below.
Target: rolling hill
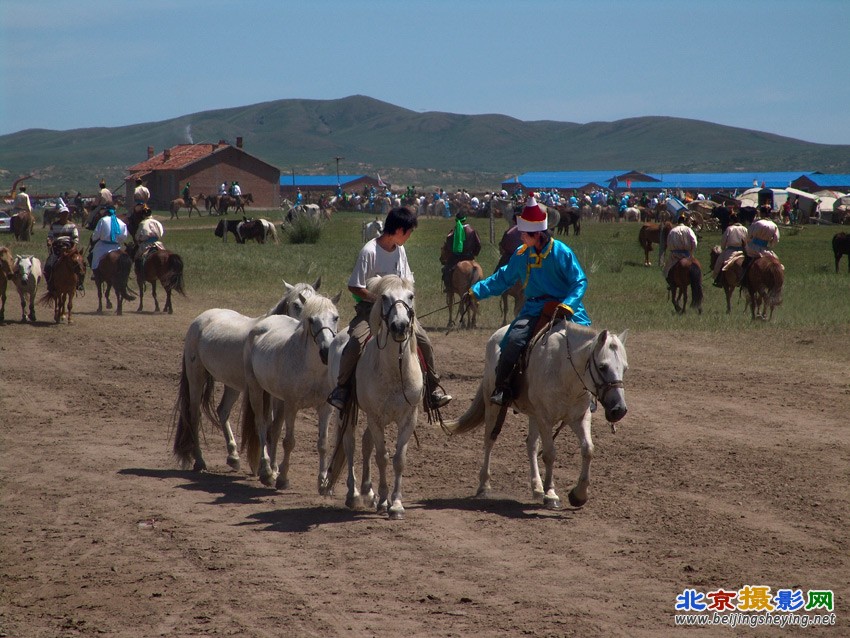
{"x": 475, "y": 151}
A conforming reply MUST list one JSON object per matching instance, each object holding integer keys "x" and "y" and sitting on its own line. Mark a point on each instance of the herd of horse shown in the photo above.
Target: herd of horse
{"x": 288, "y": 360}
{"x": 761, "y": 280}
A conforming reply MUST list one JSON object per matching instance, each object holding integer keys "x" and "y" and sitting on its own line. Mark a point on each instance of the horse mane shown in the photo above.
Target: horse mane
{"x": 313, "y": 307}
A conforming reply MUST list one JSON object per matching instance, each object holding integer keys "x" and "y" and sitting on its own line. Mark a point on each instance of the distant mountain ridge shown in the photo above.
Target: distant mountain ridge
{"x": 407, "y": 147}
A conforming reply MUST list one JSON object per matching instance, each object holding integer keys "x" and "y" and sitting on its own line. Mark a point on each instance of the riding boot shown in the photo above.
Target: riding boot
{"x": 717, "y": 282}
{"x": 502, "y": 394}
{"x": 436, "y": 397}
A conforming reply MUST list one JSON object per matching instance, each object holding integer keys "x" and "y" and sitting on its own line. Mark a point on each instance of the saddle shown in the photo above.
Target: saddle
{"x": 551, "y": 315}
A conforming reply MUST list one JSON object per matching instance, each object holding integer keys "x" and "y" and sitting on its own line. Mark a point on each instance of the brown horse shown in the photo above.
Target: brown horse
{"x": 192, "y": 204}
{"x": 114, "y": 272}
{"x": 464, "y": 275}
{"x": 652, "y": 234}
{"x": 22, "y": 224}
{"x": 68, "y": 271}
{"x": 161, "y": 266}
{"x": 228, "y": 201}
{"x": 516, "y": 291}
{"x": 686, "y": 272}
{"x": 841, "y": 246}
{"x": 763, "y": 281}
{"x": 7, "y": 266}
{"x": 730, "y": 278}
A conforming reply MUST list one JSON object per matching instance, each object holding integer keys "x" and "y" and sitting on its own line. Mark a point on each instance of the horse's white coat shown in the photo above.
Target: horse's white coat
{"x": 26, "y": 277}
{"x": 212, "y": 351}
{"x": 562, "y": 367}
{"x": 389, "y": 386}
{"x": 285, "y": 359}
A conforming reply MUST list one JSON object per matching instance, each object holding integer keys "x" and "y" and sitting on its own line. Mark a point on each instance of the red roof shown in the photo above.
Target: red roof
{"x": 180, "y": 156}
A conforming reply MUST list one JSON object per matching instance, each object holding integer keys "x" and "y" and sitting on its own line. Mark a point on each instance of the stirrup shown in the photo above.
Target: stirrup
{"x": 339, "y": 397}
{"x": 500, "y": 397}
{"x": 438, "y": 399}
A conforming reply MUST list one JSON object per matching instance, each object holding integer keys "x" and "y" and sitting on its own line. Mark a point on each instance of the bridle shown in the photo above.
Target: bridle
{"x": 385, "y": 316}
{"x": 407, "y": 333}
{"x": 601, "y": 387}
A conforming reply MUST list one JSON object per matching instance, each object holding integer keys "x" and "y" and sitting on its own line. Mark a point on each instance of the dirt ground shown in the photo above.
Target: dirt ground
{"x": 730, "y": 469}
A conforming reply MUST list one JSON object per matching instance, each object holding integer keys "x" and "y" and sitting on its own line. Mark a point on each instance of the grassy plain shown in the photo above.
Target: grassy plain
{"x": 622, "y": 293}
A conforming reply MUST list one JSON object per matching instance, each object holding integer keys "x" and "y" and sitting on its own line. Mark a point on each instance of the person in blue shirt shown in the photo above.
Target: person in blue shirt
{"x": 549, "y": 272}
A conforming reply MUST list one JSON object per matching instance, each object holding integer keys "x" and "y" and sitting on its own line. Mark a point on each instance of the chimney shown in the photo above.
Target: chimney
{"x": 222, "y": 142}
{"x": 150, "y": 152}
{"x": 239, "y": 142}
{"x": 166, "y": 154}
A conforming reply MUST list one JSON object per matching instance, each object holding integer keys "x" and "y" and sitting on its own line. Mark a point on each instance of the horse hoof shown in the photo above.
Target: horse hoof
{"x": 537, "y": 495}
{"x": 483, "y": 492}
{"x": 268, "y": 479}
{"x": 551, "y": 502}
{"x": 281, "y": 483}
{"x": 396, "y": 513}
{"x": 575, "y": 501}
{"x": 233, "y": 462}
{"x": 382, "y": 506}
{"x": 353, "y": 502}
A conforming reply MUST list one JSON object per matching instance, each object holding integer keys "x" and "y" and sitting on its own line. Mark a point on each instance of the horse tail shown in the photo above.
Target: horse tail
{"x": 470, "y": 419}
{"x": 47, "y": 298}
{"x": 271, "y": 230}
{"x": 185, "y": 435}
{"x": 122, "y": 276}
{"x": 175, "y": 273}
{"x": 696, "y": 286}
{"x": 774, "y": 293}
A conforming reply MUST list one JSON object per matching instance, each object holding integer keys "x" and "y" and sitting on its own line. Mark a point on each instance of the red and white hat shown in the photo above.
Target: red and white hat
{"x": 533, "y": 217}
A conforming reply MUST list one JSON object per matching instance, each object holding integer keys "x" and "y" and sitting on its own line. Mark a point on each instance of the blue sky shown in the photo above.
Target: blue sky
{"x": 770, "y": 65}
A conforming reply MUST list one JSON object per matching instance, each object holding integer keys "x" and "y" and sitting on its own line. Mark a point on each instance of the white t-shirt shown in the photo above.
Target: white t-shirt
{"x": 374, "y": 261}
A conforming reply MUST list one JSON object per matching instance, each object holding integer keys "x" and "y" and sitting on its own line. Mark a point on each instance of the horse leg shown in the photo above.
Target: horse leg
{"x": 551, "y": 500}
{"x": 367, "y": 445}
{"x": 490, "y": 414}
{"x": 396, "y": 510}
{"x": 168, "y": 307}
{"x": 381, "y": 459}
{"x": 228, "y": 398}
{"x": 352, "y": 496}
{"x": 325, "y": 414}
{"x": 23, "y": 307}
{"x": 450, "y": 298}
{"x": 581, "y": 427}
{"x": 153, "y": 294}
{"x": 532, "y": 444}
{"x": 32, "y": 306}
{"x": 261, "y": 405}
{"x": 282, "y": 412}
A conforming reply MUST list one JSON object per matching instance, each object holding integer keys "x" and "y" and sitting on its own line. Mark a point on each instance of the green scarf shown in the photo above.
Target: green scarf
{"x": 460, "y": 236}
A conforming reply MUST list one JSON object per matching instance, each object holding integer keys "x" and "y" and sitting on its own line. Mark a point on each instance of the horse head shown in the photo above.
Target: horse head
{"x": 606, "y": 366}
{"x": 293, "y": 300}
{"x": 220, "y": 229}
{"x": 320, "y": 319}
{"x": 394, "y": 306}
{"x": 24, "y": 269}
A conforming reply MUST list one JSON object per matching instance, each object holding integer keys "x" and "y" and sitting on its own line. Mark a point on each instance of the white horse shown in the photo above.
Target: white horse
{"x": 372, "y": 229}
{"x": 212, "y": 351}
{"x": 568, "y": 369}
{"x": 285, "y": 360}
{"x": 389, "y": 387}
{"x": 26, "y": 276}
{"x": 631, "y": 214}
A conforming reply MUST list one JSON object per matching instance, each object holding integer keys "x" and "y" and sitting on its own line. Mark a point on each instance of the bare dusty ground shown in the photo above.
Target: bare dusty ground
{"x": 730, "y": 469}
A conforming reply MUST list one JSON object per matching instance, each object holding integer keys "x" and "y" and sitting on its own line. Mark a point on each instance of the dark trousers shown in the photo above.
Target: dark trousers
{"x": 513, "y": 345}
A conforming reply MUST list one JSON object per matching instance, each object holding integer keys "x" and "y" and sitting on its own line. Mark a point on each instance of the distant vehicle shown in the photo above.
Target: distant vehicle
{"x": 5, "y": 222}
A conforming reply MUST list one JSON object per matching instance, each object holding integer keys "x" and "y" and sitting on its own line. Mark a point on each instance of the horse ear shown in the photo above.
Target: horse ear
{"x": 622, "y": 336}
{"x": 318, "y": 283}
{"x": 601, "y": 338}
{"x": 287, "y": 286}
{"x": 337, "y": 297}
